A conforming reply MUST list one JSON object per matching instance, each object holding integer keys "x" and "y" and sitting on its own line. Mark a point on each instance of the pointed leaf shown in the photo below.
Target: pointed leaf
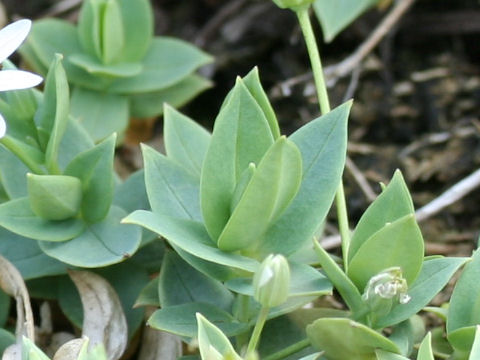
{"x": 270, "y": 190}
{"x": 186, "y": 142}
{"x": 94, "y": 168}
{"x": 241, "y": 135}
{"x": 397, "y": 244}
{"x": 93, "y": 66}
{"x": 392, "y": 204}
{"x": 425, "y": 351}
{"x": 475, "y": 353}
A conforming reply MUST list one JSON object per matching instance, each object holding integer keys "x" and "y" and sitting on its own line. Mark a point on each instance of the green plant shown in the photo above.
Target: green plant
{"x": 115, "y": 66}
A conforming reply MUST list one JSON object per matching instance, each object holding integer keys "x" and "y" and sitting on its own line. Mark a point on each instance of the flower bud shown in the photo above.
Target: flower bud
{"x": 293, "y": 4}
{"x": 271, "y": 281}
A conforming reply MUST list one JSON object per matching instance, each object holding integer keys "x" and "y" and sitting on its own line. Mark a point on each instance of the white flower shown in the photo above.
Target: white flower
{"x": 11, "y": 37}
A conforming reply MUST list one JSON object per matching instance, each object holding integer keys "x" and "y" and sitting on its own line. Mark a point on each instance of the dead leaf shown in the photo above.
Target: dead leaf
{"x": 103, "y": 317}
{"x": 70, "y": 350}
{"x": 12, "y": 284}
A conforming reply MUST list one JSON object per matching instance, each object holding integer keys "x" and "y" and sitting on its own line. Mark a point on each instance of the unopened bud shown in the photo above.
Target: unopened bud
{"x": 271, "y": 282}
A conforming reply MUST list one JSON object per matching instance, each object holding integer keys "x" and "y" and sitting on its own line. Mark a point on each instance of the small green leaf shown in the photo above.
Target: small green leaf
{"x": 93, "y": 66}
{"x": 148, "y": 296}
{"x": 462, "y": 339}
{"x": 94, "y": 168}
{"x": 100, "y": 244}
{"x": 464, "y": 310}
{"x": 425, "y": 351}
{"x": 54, "y": 197}
{"x": 191, "y": 237}
{"x": 89, "y": 27}
{"x": 397, "y": 244}
{"x": 252, "y": 82}
{"x": 336, "y": 15}
{"x": 322, "y": 143}
{"x": 167, "y": 62}
{"x": 342, "y": 339}
{"x": 31, "y": 352}
{"x": 180, "y": 283}
{"x": 172, "y": 190}
{"x": 271, "y": 189}
{"x": 212, "y": 341}
{"x": 392, "y": 204}
{"x": 112, "y": 32}
{"x": 18, "y": 217}
{"x": 151, "y": 104}
{"x": 15, "y": 184}
{"x": 434, "y": 275}
{"x": 101, "y": 114}
{"x": 385, "y": 355}
{"x": 241, "y": 135}
{"x": 186, "y": 142}
{"x": 180, "y": 319}
{"x": 475, "y": 353}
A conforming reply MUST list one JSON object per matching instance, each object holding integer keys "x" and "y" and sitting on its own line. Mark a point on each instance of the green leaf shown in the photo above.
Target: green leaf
{"x": 15, "y": 184}
{"x": 322, "y": 143}
{"x": 434, "y": 275}
{"x": 180, "y": 319}
{"x": 385, "y": 355}
{"x": 346, "y": 339}
{"x": 167, "y": 61}
{"x": 137, "y": 20}
{"x": 148, "y": 296}
{"x": 180, "y": 283}
{"x": 112, "y": 33}
{"x": 304, "y": 281}
{"x": 252, "y": 82}
{"x": 6, "y": 339}
{"x": 212, "y": 341}
{"x": 101, "y": 244}
{"x": 100, "y": 113}
{"x": 31, "y": 352}
{"x": 93, "y": 66}
{"x": 241, "y": 135}
{"x": 425, "y": 351}
{"x": 392, "y": 204}
{"x": 54, "y": 197}
{"x": 151, "y": 104}
{"x": 191, "y": 237}
{"x": 172, "y": 190}
{"x": 336, "y": 15}
{"x": 462, "y": 339}
{"x": 94, "y": 168}
{"x": 270, "y": 190}
{"x": 186, "y": 142}
{"x": 27, "y": 257}
{"x": 74, "y": 141}
{"x": 475, "y": 353}
{"x": 464, "y": 307}
{"x": 90, "y": 27}
{"x": 18, "y": 217}
{"x": 397, "y": 244}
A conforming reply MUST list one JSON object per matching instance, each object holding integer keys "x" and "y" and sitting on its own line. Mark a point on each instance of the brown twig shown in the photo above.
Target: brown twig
{"x": 360, "y": 179}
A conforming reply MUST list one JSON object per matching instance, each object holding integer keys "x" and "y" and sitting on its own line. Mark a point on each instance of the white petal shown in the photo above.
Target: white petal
{"x": 3, "y": 126}
{"x": 18, "y": 79}
{"x": 12, "y": 36}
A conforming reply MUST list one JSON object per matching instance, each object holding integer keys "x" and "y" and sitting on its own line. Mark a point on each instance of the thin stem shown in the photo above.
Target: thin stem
{"x": 314, "y": 54}
{"x": 289, "y": 350}
{"x": 262, "y": 318}
{"x": 15, "y": 148}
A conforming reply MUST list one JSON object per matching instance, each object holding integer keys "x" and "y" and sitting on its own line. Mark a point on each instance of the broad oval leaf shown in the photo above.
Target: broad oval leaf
{"x": 95, "y": 67}
{"x": 241, "y": 135}
{"x": 323, "y": 144}
{"x": 397, "y": 244}
{"x": 18, "y": 217}
{"x": 270, "y": 190}
{"x": 100, "y": 244}
{"x": 342, "y": 339}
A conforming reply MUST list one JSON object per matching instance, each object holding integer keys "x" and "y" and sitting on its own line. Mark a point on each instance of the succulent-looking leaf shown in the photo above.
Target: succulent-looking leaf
{"x": 392, "y": 204}
{"x": 241, "y": 135}
{"x": 54, "y": 197}
{"x": 342, "y": 339}
{"x": 89, "y": 27}
{"x": 112, "y": 32}
{"x": 104, "y": 321}
{"x": 31, "y": 352}
{"x": 397, "y": 244}
{"x": 94, "y": 168}
{"x": 425, "y": 351}
{"x": 270, "y": 190}
{"x": 475, "y": 353}
{"x": 211, "y": 338}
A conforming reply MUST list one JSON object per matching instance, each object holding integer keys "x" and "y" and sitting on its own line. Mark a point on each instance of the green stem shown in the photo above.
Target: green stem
{"x": 257, "y": 330}
{"x": 242, "y": 316}
{"x": 18, "y": 150}
{"x": 314, "y": 54}
{"x": 289, "y": 350}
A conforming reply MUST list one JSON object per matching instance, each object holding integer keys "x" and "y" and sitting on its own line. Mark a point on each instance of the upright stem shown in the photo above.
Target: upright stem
{"x": 314, "y": 54}
{"x": 262, "y": 318}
